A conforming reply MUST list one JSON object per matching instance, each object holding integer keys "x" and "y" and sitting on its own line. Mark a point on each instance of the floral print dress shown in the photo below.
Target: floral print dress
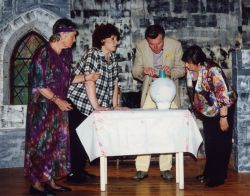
{"x": 47, "y": 140}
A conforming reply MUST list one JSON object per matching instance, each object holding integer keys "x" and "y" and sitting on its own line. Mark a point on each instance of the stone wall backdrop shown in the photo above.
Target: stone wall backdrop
{"x": 218, "y": 26}
{"x": 241, "y": 81}
{"x": 245, "y": 28}
{"x": 215, "y": 25}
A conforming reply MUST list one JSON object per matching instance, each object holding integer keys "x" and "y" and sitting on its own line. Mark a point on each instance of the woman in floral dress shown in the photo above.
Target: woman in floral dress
{"x": 47, "y": 136}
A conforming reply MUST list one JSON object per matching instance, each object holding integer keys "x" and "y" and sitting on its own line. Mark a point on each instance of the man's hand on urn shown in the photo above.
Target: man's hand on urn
{"x": 167, "y": 70}
{"x": 149, "y": 71}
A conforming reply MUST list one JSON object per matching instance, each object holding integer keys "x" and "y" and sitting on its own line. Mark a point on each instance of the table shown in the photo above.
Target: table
{"x": 137, "y": 131}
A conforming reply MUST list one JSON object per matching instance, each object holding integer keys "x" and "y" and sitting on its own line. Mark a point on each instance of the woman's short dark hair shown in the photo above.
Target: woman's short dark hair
{"x": 153, "y": 31}
{"x": 103, "y": 31}
{"x": 195, "y": 55}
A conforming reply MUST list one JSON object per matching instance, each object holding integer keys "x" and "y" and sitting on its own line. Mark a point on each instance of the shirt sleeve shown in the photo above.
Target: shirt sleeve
{"x": 41, "y": 71}
{"x": 116, "y": 72}
{"x": 219, "y": 86}
{"x": 90, "y": 62}
{"x": 138, "y": 67}
{"x": 78, "y": 68}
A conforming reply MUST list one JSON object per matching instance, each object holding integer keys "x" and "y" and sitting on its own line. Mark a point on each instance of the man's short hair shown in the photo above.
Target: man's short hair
{"x": 153, "y": 31}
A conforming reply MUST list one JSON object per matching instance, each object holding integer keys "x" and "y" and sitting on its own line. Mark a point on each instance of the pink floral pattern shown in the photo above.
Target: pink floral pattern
{"x": 214, "y": 93}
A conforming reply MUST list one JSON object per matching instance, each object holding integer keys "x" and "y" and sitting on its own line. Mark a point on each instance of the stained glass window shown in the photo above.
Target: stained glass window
{"x": 21, "y": 58}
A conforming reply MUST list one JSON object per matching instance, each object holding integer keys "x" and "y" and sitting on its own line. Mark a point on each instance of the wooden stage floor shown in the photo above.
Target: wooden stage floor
{"x": 12, "y": 182}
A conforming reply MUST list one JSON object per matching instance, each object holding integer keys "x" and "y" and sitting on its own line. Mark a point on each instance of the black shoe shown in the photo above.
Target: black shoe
{"x": 81, "y": 179}
{"x": 72, "y": 178}
{"x": 202, "y": 178}
{"x": 140, "y": 175}
{"x": 34, "y": 191}
{"x": 85, "y": 174}
{"x": 61, "y": 189}
{"x": 214, "y": 182}
{"x": 166, "y": 175}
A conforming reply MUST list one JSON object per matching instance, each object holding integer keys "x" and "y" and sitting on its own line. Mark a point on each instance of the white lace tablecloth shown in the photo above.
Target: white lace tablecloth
{"x": 137, "y": 131}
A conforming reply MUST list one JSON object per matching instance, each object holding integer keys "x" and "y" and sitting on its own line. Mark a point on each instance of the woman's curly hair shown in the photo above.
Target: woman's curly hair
{"x": 103, "y": 31}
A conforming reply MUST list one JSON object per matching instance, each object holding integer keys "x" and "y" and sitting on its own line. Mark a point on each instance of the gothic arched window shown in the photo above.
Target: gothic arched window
{"x": 20, "y": 60}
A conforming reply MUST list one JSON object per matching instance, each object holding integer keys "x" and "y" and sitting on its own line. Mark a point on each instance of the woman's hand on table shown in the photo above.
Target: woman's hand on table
{"x": 120, "y": 108}
{"x": 100, "y": 108}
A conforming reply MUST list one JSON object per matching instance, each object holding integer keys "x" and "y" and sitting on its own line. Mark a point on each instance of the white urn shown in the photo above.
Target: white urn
{"x": 163, "y": 91}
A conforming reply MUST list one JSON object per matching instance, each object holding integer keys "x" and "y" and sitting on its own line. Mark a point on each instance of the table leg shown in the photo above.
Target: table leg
{"x": 106, "y": 170}
{"x": 177, "y": 171}
{"x": 103, "y": 172}
{"x": 181, "y": 170}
